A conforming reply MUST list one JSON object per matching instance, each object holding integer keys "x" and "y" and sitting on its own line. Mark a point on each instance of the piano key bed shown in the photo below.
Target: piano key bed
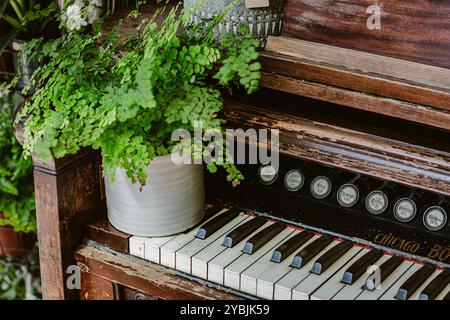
{"x": 267, "y": 259}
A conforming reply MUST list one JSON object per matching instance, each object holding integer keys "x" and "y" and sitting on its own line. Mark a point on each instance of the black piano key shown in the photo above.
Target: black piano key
{"x": 216, "y": 223}
{"x": 357, "y": 269}
{"x": 288, "y": 247}
{"x": 436, "y": 286}
{"x": 242, "y": 232}
{"x": 330, "y": 257}
{"x": 262, "y": 237}
{"x": 310, "y": 251}
{"x": 386, "y": 269}
{"x": 414, "y": 282}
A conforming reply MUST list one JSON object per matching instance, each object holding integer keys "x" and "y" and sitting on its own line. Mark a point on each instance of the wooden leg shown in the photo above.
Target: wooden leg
{"x": 67, "y": 196}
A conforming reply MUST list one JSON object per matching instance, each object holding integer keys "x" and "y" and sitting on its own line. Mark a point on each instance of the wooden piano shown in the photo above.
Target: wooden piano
{"x": 364, "y": 132}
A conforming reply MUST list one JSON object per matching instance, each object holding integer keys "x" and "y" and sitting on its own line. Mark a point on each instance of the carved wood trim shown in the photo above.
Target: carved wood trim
{"x": 361, "y": 152}
{"x": 359, "y": 100}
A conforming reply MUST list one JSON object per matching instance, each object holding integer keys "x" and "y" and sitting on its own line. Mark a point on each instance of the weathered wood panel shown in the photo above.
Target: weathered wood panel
{"x": 96, "y": 288}
{"x": 153, "y": 280}
{"x": 359, "y": 100}
{"x": 103, "y": 232}
{"x": 65, "y": 201}
{"x": 359, "y": 71}
{"x": 372, "y": 155}
{"x": 415, "y": 30}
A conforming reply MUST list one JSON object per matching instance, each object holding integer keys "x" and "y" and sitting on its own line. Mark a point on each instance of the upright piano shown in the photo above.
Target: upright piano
{"x": 358, "y": 208}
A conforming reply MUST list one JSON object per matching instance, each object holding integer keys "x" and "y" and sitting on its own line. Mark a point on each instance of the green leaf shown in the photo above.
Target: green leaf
{"x": 212, "y": 168}
{"x": 8, "y": 38}
{"x": 8, "y": 187}
{"x": 3, "y": 7}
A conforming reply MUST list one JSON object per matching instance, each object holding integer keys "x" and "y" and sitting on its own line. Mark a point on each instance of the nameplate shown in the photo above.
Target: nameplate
{"x": 251, "y": 4}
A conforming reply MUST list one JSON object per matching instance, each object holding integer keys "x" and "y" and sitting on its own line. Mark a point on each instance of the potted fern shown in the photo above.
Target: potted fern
{"x": 127, "y": 98}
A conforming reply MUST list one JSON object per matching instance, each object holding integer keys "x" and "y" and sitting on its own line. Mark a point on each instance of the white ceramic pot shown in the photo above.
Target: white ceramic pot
{"x": 172, "y": 201}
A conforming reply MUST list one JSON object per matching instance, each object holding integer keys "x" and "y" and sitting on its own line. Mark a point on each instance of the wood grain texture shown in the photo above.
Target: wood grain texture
{"x": 415, "y": 30}
{"x": 153, "y": 280}
{"x": 101, "y": 231}
{"x": 416, "y": 73}
{"x": 354, "y": 80}
{"x": 390, "y": 107}
{"x": 96, "y": 288}
{"x": 65, "y": 201}
{"x": 360, "y": 71}
{"x": 361, "y": 152}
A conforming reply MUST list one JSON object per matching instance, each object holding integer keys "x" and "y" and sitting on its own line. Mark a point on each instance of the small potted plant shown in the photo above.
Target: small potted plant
{"x": 17, "y": 205}
{"x": 127, "y": 98}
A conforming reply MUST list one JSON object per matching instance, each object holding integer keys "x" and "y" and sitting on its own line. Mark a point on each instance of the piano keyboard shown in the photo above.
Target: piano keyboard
{"x": 271, "y": 260}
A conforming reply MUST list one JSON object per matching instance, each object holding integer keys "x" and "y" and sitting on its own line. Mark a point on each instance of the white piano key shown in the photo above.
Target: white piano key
{"x": 184, "y": 256}
{"x": 350, "y": 292}
{"x": 250, "y": 276}
{"x": 392, "y": 291}
{"x": 305, "y": 288}
{"x": 216, "y": 267}
{"x": 168, "y": 250}
{"x": 444, "y": 292}
{"x": 334, "y": 284}
{"x": 283, "y": 288}
{"x": 387, "y": 283}
{"x": 267, "y": 279}
{"x": 153, "y": 246}
{"x": 233, "y": 271}
{"x": 200, "y": 260}
{"x": 416, "y": 294}
{"x": 137, "y": 246}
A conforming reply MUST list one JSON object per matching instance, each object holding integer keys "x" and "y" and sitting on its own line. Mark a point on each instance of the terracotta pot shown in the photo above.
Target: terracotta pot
{"x": 15, "y": 243}
{"x": 172, "y": 201}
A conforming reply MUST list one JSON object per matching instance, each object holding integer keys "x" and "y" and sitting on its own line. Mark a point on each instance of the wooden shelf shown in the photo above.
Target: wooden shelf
{"x": 103, "y": 267}
{"x": 102, "y": 232}
{"x": 393, "y": 87}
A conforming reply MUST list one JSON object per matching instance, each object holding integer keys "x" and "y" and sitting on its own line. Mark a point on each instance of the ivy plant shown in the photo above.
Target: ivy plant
{"x": 16, "y": 177}
{"x": 127, "y": 97}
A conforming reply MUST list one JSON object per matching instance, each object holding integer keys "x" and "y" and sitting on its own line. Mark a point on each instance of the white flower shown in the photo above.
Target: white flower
{"x": 93, "y": 14}
{"x": 81, "y": 13}
{"x": 73, "y": 16}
